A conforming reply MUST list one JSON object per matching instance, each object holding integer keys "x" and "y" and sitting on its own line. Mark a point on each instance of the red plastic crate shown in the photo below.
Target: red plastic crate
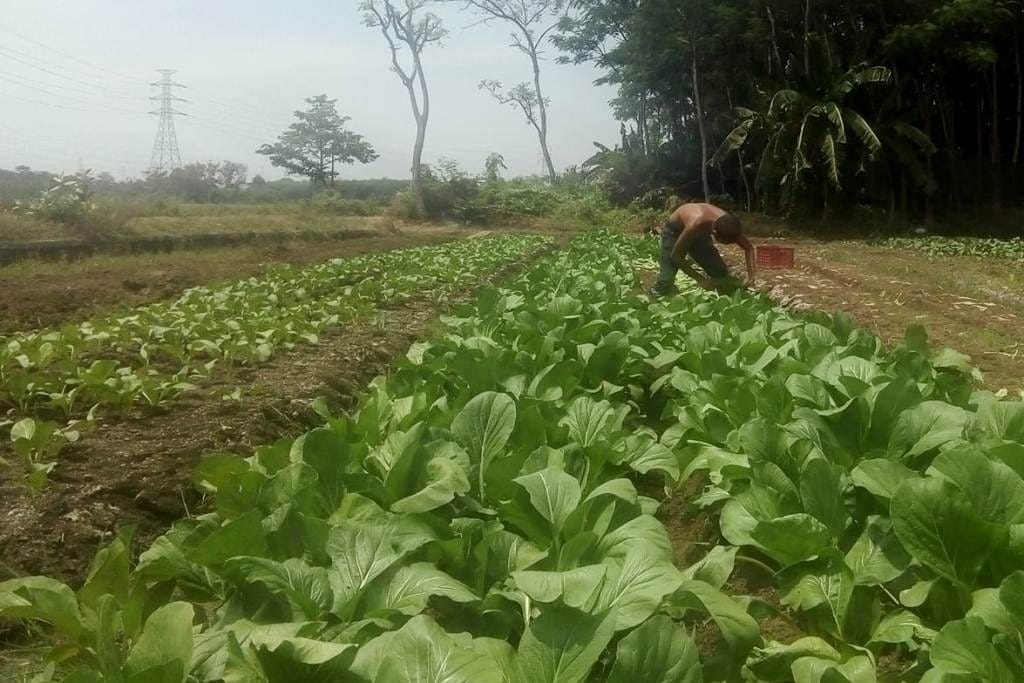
{"x": 772, "y": 257}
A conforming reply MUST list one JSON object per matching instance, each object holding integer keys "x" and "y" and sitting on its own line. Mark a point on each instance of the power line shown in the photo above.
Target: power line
{"x": 134, "y": 80}
{"x": 61, "y": 106}
{"x": 217, "y": 128}
{"x": 263, "y": 127}
{"x": 261, "y": 135}
{"x": 66, "y": 98}
{"x": 263, "y": 132}
{"x": 58, "y": 149}
{"x": 36, "y": 82}
{"x": 59, "y": 86}
{"x": 256, "y": 104}
{"x": 27, "y": 60}
{"x": 259, "y": 128}
{"x": 234, "y": 108}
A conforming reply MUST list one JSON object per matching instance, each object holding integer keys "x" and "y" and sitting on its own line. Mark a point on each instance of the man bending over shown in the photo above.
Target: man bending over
{"x": 692, "y": 230}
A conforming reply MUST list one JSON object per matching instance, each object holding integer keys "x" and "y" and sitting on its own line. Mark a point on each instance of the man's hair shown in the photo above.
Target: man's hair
{"x": 728, "y": 228}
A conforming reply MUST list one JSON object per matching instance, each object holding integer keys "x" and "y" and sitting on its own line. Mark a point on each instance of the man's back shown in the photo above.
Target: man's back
{"x": 699, "y": 215}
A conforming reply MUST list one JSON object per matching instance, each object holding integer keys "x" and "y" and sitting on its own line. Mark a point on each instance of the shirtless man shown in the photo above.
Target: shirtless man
{"x": 692, "y": 231}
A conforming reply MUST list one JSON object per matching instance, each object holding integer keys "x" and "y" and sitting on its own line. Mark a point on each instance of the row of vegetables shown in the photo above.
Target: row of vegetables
{"x": 54, "y": 382}
{"x": 484, "y": 515}
{"x": 985, "y": 247}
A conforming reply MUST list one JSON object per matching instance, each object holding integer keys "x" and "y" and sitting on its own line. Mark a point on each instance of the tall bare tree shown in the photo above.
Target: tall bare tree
{"x": 532, "y": 23}
{"x": 405, "y": 26}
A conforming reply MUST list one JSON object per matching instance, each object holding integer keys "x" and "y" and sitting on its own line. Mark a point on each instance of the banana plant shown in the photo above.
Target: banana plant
{"x": 807, "y": 136}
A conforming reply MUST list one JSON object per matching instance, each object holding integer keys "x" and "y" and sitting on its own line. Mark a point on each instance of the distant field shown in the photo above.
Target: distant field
{"x": 145, "y": 219}
{"x": 65, "y": 290}
{"x": 248, "y": 222}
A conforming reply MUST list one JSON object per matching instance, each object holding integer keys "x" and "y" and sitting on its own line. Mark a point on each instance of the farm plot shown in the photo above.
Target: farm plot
{"x": 970, "y": 304}
{"x": 54, "y": 382}
{"x": 1011, "y": 249}
{"x": 478, "y": 518}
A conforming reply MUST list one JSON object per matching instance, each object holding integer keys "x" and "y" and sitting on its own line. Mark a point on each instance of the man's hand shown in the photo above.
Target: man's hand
{"x": 751, "y": 259}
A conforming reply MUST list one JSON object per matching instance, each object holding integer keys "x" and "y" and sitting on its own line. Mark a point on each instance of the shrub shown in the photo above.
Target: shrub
{"x": 333, "y": 203}
{"x": 504, "y": 201}
{"x": 402, "y": 207}
{"x": 67, "y": 200}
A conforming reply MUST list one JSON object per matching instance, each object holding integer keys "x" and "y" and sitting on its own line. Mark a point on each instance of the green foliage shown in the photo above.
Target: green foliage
{"x": 198, "y": 182}
{"x": 22, "y": 184}
{"x": 317, "y": 144}
{"x": 69, "y": 199}
{"x": 786, "y": 100}
{"x": 493, "y": 167}
{"x": 153, "y": 354}
{"x": 453, "y": 194}
{"x": 38, "y": 443}
{"x": 1012, "y": 249}
{"x": 814, "y": 139}
{"x": 477, "y": 517}
{"x": 334, "y": 203}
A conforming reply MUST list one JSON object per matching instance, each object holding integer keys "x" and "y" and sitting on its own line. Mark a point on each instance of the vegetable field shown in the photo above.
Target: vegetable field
{"x": 491, "y": 510}
{"x": 57, "y": 381}
{"x": 1011, "y": 249}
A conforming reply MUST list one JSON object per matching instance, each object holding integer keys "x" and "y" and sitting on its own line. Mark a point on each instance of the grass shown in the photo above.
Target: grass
{"x": 15, "y": 228}
{"x": 117, "y": 219}
{"x": 245, "y": 222}
{"x": 106, "y": 263}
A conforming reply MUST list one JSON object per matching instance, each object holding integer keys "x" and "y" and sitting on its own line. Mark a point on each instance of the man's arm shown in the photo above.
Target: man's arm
{"x": 684, "y": 265}
{"x": 748, "y": 249}
{"x": 682, "y": 249}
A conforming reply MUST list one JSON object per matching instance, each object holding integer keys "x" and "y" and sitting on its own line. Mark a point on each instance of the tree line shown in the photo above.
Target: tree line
{"x": 909, "y": 107}
{"x": 318, "y": 142}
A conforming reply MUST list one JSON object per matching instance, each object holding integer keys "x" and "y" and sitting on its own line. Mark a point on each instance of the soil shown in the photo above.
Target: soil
{"x": 689, "y": 531}
{"x": 138, "y": 471}
{"x": 973, "y": 306}
{"x": 43, "y": 294}
{"x": 692, "y": 533}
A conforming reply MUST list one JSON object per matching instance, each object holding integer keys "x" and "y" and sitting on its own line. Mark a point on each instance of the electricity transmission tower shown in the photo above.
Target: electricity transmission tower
{"x": 166, "y": 155}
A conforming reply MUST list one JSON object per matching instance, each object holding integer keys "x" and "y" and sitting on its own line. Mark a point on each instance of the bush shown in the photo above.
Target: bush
{"x": 68, "y": 200}
{"x": 335, "y": 204}
{"x": 508, "y": 200}
{"x": 448, "y": 193}
{"x": 452, "y": 194}
{"x": 402, "y": 207}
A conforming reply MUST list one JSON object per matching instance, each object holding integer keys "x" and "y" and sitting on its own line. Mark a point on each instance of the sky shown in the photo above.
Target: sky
{"x": 74, "y": 85}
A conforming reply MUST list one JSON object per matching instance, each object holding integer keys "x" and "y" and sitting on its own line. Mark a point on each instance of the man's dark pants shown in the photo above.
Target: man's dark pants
{"x": 702, "y": 250}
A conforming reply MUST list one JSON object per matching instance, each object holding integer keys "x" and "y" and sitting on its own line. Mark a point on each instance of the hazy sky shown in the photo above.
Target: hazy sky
{"x": 249, "y": 64}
